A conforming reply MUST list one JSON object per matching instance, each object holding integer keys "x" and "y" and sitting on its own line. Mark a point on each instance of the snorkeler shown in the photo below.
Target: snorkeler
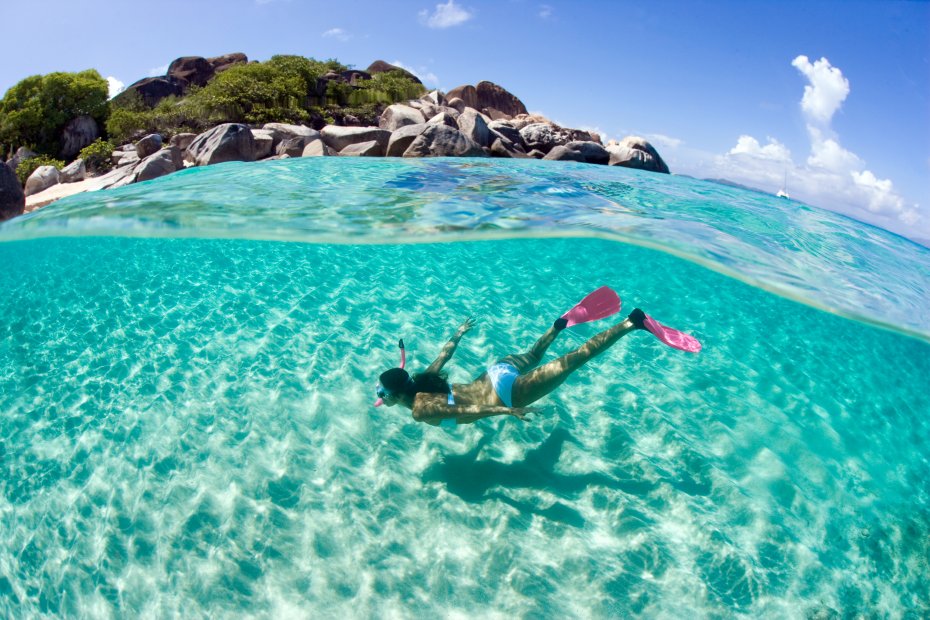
{"x": 516, "y": 381}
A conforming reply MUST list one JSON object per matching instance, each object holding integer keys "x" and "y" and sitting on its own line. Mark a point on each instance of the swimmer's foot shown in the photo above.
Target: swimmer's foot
{"x": 601, "y": 303}
{"x": 666, "y": 335}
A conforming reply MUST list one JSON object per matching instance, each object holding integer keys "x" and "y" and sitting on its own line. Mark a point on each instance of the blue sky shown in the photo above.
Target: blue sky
{"x": 835, "y": 94}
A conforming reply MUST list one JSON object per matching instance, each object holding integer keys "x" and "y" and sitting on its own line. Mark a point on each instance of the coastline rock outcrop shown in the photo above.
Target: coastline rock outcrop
{"x": 264, "y": 143}
{"x": 443, "y": 141}
{"x": 489, "y": 98}
{"x": 636, "y": 152}
{"x": 372, "y": 148}
{"x": 182, "y": 140}
{"x": 472, "y": 124}
{"x": 41, "y": 179}
{"x": 317, "y": 148}
{"x": 226, "y": 142}
{"x": 379, "y": 66}
{"x": 396, "y": 116}
{"x": 402, "y": 138}
{"x": 12, "y": 197}
{"x": 165, "y": 161}
{"x": 337, "y": 138}
{"x": 540, "y": 136}
{"x": 73, "y": 172}
{"x": 148, "y": 145}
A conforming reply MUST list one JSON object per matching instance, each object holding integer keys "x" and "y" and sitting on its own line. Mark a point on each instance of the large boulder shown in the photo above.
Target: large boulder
{"x": 152, "y": 90}
{"x": 396, "y": 116}
{"x": 443, "y": 141}
{"x": 191, "y": 71}
{"x": 443, "y": 118}
{"x": 636, "y": 152}
{"x": 264, "y": 143}
{"x": 126, "y": 158}
{"x": 457, "y": 104}
{"x": 221, "y": 63}
{"x": 182, "y": 140}
{"x": 473, "y": 125}
{"x": 21, "y": 155}
{"x": 41, "y": 179}
{"x": 466, "y": 93}
{"x": 505, "y": 130}
{"x": 492, "y": 96}
{"x": 317, "y": 148}
{"x": 379, "y": 66}
{"x": 73, "y": 172}
{"x": 591, "y": 152}
{"x": 337, "y": 138}
{"x": 540, "y": 136}
{"x": 226, "y": 142}
{"x": 78, "y": 133}
{"x": 563, "y": 153}
{"x": 293, "y": 147}
{"x": 284, "y": 131}
{"x": 502, "y": 147}
{"x": 158, "y": 164}
{"x": 148, "y": 145}
{"x": 12, "y": 198}
{"x": 372, "y": 148}
{"x": 403, "y": 138}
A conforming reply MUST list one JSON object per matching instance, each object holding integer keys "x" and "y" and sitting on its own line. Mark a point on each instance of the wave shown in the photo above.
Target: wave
{"x": 810, "y": 255}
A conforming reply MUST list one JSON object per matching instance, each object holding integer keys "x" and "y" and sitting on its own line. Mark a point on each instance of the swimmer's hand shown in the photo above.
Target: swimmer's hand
{"x": 522, "y": 412}
{"x": 467, "y": 325}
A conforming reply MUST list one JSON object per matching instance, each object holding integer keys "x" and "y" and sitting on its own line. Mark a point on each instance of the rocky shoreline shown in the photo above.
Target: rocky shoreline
{"x": 469, "y": 121}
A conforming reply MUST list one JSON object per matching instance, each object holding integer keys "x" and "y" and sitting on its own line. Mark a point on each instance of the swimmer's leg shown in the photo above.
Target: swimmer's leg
{"x": 529, "y": 360}
{"x": 534, "y": 385}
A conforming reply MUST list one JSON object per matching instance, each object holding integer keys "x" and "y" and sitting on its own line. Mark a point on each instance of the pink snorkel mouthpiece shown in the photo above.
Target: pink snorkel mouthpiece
{"x": 379, "y": 389}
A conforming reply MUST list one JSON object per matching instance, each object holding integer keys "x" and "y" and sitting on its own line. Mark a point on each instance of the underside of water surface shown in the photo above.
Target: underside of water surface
{"x": 186, "y": 425}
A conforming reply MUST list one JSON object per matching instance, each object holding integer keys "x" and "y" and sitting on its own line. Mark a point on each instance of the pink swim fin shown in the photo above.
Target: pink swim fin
{"x": 601, "y": 303}
{"x": 671, "y": 337}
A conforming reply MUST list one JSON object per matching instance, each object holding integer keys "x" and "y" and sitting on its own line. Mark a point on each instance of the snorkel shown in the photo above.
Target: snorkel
{"x": 380, "y": 389}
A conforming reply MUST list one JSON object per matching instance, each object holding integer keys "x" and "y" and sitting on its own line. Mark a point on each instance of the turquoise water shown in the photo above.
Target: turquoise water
{"x": 185, "y": 400}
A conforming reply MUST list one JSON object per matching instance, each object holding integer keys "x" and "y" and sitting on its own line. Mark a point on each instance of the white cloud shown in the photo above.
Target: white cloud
{"x": 338, "y": 34}
{"x": 159, "y": 71}
{"x": 826, "y": 91}
{"x": 445, "y": 15}
{"x": 115, "y": 87}
{"x": 545, "y": 11}
{"x": 774, "y": 150}
{"x": 426, "y": 76}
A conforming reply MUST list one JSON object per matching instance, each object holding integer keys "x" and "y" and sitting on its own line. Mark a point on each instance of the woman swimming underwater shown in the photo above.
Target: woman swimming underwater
{"x": 516, "y": 381}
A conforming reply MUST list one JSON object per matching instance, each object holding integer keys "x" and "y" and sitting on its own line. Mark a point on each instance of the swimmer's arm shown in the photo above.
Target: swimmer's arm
{"x": 434, "y": 413}
{"x": 449, "y": 348}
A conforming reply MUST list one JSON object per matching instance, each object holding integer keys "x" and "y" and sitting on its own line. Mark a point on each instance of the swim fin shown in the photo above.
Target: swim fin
{"x": 597, "y": 305}
{"x": 671, "y": 337}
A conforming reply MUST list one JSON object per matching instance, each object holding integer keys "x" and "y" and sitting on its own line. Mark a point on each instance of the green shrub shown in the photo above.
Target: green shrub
{"x": 26, "y": 167}
{"x": 97, "y": 155}
{"x": 389, "y": 87}
{"x": 34, "y": 112}
{"x": 130, "y": 117}
{"x": 253, "y": 93}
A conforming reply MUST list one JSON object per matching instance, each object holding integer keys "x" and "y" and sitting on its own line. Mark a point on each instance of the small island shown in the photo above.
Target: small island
{"x": 61, "y": 135}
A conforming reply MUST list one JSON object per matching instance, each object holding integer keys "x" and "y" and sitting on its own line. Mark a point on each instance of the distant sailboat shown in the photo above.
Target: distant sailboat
{"x": 783, "y": 192}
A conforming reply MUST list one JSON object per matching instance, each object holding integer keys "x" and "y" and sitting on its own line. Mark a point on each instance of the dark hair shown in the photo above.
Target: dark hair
{"x": 397, "y": 380}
